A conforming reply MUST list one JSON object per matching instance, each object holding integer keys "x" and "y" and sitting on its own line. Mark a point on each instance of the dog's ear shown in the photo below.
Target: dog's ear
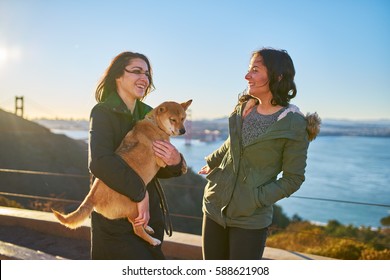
{"x": 185, "y": 105}
{"x": 161, "y": 109}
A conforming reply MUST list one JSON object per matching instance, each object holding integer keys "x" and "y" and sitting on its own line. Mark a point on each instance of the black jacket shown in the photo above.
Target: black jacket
{"x": 115, "y": 239}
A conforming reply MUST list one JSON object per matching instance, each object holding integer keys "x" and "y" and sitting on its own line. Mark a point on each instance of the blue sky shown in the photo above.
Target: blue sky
{"x": 54, "y": 52}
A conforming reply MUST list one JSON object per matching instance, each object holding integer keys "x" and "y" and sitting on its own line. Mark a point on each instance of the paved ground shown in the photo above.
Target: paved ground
{"x": 69, "y": 248}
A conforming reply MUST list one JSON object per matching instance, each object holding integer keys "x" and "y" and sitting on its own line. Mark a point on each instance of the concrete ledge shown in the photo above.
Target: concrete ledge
{"x": 280, "y": 254}
{"x": 10, "y": 251}
{"x": 181, "y": 246}
{"x": 44, "y": 222}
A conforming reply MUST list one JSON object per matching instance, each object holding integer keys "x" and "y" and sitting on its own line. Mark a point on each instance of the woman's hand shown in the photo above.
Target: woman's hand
{"x": 167, "y": 152}
{"x": 204, "y": 170}
{"x": 143, "y": 212}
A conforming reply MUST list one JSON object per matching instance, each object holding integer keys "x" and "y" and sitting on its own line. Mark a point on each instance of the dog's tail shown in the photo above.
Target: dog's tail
{"x": 76, "y": 218}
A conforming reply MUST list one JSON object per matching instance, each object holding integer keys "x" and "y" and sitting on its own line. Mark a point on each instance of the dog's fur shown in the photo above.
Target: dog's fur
{"x": 136, "y": 149}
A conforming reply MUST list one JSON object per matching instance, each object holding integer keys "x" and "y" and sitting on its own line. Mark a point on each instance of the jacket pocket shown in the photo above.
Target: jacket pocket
{"x": 256, "y": 196}
{"x": 243, "y": 203}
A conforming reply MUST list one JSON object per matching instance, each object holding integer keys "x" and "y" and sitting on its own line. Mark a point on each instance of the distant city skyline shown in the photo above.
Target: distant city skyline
{"x": 54, "y": 52}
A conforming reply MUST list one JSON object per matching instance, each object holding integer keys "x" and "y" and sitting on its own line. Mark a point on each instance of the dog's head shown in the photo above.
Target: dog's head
{"x": 170, "y": 117}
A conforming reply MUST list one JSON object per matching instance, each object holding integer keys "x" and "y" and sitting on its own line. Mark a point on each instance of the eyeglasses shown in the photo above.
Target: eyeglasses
{"x": 139, "y": 72}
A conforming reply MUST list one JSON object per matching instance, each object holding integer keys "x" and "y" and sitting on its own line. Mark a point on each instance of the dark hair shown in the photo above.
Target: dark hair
{"x": 281, "y": 72}
{"x": 107, "y": 84}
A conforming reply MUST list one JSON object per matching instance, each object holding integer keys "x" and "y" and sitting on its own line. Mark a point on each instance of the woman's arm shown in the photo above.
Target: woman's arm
{"x": 105, "y": 164}
{"x": 293, "y": 174}
{"x": 213, "y": 160}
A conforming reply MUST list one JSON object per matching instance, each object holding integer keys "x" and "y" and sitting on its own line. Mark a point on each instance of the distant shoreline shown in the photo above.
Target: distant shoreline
{"x": 380, "y": 128}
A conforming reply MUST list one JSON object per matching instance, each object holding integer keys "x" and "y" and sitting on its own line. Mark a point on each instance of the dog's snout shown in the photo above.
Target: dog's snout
{"x": 182, "y": 131}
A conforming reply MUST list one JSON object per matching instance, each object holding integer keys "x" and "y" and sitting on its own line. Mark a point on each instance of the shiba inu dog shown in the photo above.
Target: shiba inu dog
{"x": 164, "y": 121}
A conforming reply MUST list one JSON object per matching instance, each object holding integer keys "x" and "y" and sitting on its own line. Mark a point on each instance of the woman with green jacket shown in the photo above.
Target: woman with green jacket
{"x": 267, "y": 136}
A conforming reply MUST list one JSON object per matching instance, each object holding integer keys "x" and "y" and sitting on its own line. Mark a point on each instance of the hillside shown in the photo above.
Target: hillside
{"x": 29, "y": 146}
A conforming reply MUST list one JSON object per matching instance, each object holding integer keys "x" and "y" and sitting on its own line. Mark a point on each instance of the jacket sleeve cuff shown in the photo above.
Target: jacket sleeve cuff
{"x": 180, "y": 168}
{"x": 139, "y": 197}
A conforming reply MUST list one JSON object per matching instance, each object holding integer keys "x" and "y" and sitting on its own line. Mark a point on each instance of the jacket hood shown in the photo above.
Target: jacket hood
{"x": 313, "y": 121}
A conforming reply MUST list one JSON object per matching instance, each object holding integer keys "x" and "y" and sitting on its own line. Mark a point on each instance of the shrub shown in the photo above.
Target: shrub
{"x": 9, "y": 203}
{"x": 333, "y": 240}
{"x": 371, "y": 254}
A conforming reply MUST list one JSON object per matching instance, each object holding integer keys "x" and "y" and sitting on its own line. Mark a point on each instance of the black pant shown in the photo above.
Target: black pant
{"x": 232, "y": 243}
{"x": 115, "y": 240}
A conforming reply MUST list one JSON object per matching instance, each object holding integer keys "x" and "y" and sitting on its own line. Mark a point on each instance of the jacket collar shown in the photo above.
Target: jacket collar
{"x": 283, "y": 123}
{"x": 114, "y": 103}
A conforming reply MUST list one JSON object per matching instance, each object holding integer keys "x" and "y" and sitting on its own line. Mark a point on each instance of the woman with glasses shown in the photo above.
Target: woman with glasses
{"x": 119, "y": 95}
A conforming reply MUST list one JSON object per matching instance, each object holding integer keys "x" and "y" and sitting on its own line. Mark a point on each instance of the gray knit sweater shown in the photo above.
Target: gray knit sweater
{"x": 255, "y": 124}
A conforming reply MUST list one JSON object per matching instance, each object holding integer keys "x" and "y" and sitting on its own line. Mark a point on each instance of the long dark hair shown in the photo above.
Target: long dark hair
{"x": 281, "y": 73}
{"x": 107, "y": 84}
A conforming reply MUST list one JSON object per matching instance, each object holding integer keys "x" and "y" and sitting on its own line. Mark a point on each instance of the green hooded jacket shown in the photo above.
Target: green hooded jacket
{"x": 244, "y": 183}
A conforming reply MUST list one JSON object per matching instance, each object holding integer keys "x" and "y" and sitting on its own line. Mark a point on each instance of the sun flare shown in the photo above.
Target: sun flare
{"x": 9, "y": 54}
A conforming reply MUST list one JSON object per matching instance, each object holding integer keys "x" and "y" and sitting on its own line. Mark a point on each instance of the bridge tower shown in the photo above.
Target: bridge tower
{"x": 19, "y": 106}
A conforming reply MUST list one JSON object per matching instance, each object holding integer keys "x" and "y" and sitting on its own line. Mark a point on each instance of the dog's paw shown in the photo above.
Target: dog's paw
{"x": 149, "y": 230}
{"x": 160, "y": 162}
{"x": 155, "y": 242}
